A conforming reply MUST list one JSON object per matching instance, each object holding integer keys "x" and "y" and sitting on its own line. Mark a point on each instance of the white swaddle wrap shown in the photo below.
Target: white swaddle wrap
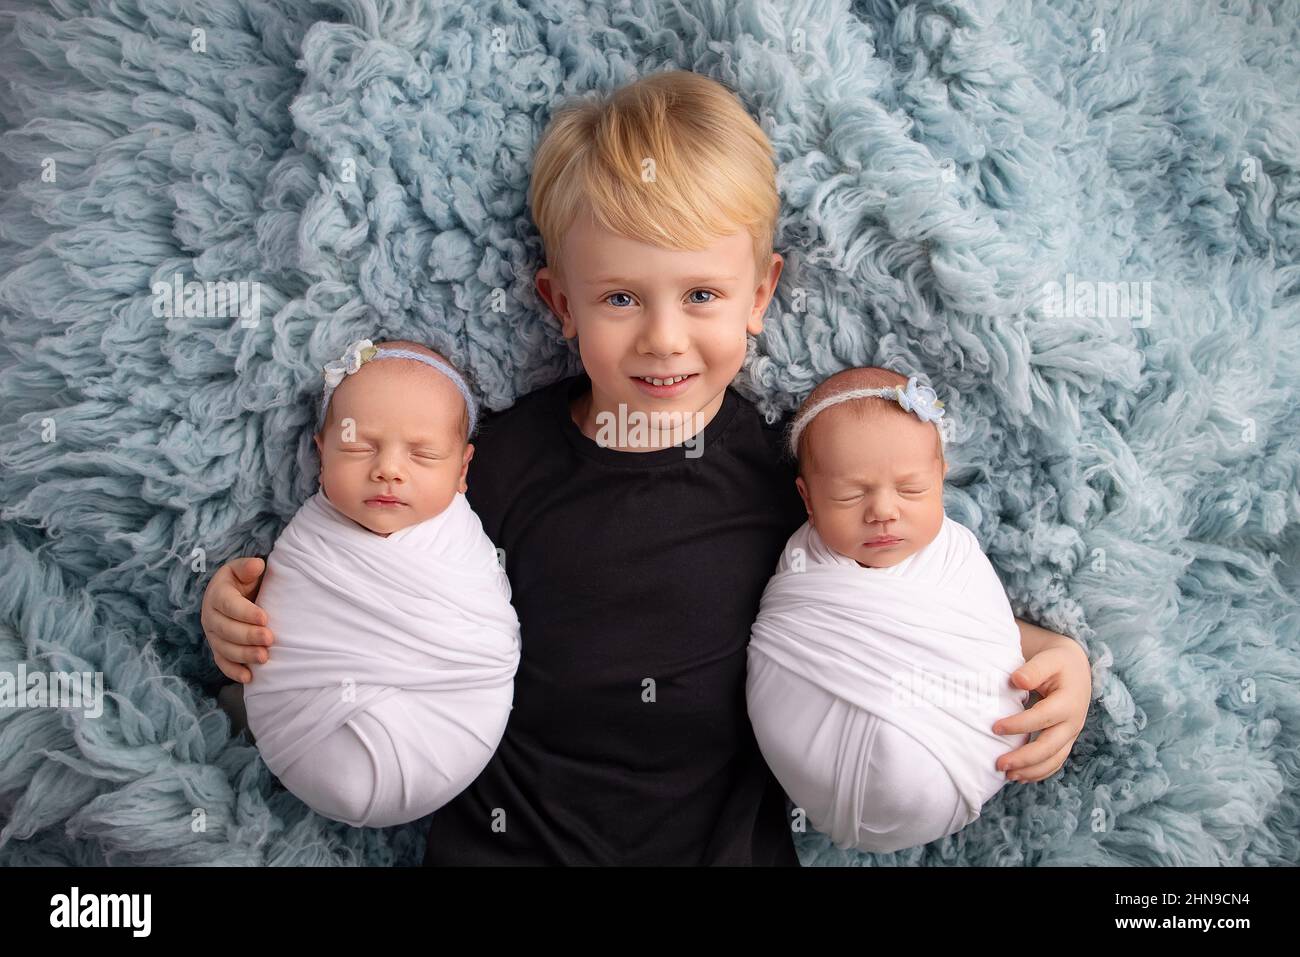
{"x": 873, "y": 691}
{"x": 391, "y": 678}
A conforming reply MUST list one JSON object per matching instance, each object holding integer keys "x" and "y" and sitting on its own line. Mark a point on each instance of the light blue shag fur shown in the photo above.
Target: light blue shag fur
{"x": 1135, "y": 485}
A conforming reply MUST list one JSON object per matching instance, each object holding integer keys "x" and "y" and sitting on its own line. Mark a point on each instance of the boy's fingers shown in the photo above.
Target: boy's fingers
{"x": 221, "y": 628}
{"x": 1040, "y": 749}
{"x": 230, "y": 603}
{"x": 247, "y": 572}
{"x": 247, "y": 654}
{"x": 1032, "y": 674}
{"x": 1044, "y": 714}
{"x": 1043, "y": 769}
{"x": 231, "y": 600}
{"x": 233, "y": 671}
{"x": 242, "y": 634}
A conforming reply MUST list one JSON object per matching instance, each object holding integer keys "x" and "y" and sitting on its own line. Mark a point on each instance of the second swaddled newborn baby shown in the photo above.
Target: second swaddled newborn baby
{"x": 884, "y": 644}
{"x": 392, "y": 676}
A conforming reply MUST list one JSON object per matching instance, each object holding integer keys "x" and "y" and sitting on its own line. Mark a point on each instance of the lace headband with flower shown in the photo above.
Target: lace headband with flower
{"x": 920, "y": 400}
{"x": 362, "y": 351}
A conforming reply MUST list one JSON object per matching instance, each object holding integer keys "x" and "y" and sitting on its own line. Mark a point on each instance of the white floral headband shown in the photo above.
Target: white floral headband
{"x": 362, "y": 351}
{"x": 920, "y": 400}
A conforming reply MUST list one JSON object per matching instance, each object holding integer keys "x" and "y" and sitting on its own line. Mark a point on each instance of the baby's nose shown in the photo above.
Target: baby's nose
{"x": 388, "y": 470}
{"x": 882, "y": 509}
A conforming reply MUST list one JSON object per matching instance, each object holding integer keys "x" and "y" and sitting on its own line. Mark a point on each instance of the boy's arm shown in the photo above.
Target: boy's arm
{"x": 1034, "y": 639}
{"x": 1056, "y": 667}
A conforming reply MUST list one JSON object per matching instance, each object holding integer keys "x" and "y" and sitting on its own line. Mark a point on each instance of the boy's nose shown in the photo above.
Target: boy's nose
{"x": 664, "y": 333}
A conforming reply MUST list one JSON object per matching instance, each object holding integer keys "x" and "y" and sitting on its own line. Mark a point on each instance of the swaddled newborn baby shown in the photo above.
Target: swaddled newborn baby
{"x": 392, "y": 676}
{"x": 883, "y": 650}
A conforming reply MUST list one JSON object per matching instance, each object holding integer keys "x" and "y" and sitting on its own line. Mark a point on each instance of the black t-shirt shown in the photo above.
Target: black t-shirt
{"x": 636, "y": 577}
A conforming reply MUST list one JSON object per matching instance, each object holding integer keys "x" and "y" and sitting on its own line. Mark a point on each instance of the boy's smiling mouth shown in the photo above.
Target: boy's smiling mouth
{"x": 662, "y": 387}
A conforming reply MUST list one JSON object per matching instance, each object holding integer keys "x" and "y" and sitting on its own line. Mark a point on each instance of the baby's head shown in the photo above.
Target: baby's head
{"x": 394, "y": 437}
{"x": 869, "y": 470}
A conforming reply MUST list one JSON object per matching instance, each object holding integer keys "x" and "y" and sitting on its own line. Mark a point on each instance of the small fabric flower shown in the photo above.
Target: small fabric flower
{"x": 362, "y": 350}
{"x": 353, "y": 356}
{"x": 920, "y": 400}
{"x": 334, "y": 373}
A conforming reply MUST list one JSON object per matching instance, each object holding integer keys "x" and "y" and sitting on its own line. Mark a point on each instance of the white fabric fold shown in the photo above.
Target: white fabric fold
{"x": 873, "y": 691}
{"x": 408, "y": 641}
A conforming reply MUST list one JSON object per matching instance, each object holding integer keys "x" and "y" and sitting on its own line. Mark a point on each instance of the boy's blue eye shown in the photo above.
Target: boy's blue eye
{"x": 695, "y": 302}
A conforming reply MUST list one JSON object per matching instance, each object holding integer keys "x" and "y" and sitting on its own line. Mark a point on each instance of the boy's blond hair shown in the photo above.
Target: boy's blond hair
{"x": 672, "y": 159}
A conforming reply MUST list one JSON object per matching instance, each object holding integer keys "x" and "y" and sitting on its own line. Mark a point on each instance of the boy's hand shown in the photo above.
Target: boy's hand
{"x": 1060, "y": 673}
{"x": 234, "y": 626}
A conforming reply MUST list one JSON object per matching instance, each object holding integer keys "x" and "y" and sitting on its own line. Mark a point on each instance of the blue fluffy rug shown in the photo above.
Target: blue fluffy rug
{"x": 1131, "y": 465}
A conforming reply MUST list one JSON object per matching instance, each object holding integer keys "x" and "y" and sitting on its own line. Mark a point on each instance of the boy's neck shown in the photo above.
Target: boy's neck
{"x": 585, "y": 408}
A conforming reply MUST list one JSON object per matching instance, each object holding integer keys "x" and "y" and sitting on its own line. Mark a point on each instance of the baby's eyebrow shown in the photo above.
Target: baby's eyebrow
{"x": 903, "y": 479}
{"x": 420, "y": 440}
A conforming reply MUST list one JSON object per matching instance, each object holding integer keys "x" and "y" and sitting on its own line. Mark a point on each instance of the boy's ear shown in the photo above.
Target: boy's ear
{"x": 763, "y": 294}
{"x": 548, "y": 287}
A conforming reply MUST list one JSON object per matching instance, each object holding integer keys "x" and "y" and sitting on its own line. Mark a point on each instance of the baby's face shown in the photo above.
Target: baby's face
{"x": 392, "y": 452}
{"x": 874, "y": 487}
